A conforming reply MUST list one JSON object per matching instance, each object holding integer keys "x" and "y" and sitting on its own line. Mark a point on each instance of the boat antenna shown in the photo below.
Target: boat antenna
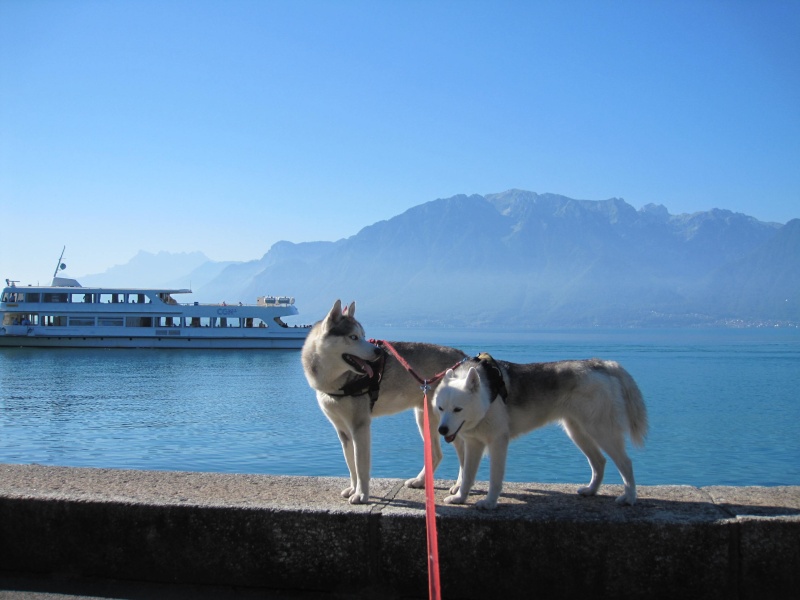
{"x": 60, "y": 265}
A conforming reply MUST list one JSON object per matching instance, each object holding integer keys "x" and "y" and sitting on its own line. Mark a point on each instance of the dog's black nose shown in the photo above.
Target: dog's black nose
{"x": 443, "y": 430}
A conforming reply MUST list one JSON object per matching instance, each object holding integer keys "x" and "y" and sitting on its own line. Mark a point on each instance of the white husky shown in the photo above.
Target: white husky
{"x": 356, "y": 380}
{"x": 486, "y": 403}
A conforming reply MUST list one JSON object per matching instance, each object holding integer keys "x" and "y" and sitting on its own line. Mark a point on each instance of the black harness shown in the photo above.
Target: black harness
{"x": 497, "y": 385}
{"x": 366, "y": 384}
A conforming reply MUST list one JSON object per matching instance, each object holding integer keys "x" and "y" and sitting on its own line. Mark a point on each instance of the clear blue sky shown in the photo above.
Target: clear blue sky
{"x": 226, "y": 126}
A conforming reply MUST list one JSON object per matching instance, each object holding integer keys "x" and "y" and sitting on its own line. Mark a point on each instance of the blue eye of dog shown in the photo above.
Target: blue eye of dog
{"x": 354, "y": 337}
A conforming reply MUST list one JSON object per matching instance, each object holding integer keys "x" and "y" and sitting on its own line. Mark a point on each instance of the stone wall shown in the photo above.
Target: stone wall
{"x": 297, "y": 533}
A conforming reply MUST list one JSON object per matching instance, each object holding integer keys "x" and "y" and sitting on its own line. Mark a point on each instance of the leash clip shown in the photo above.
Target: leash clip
{"x": 425, "y": 387}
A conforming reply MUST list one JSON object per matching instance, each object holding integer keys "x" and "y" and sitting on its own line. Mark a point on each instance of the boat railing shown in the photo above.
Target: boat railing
{"x": 276, "y": 302}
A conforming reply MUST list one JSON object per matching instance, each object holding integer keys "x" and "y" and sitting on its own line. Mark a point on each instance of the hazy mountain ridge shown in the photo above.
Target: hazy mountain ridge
{"x": 164, "y": 269}
{"x": 520, "y": 259}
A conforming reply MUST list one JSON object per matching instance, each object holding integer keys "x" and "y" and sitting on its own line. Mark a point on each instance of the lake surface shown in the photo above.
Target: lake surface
{"x": 724, "y": 408}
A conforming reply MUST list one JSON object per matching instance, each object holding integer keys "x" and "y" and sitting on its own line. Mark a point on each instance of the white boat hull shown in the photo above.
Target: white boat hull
{"x": 21, "y": 337}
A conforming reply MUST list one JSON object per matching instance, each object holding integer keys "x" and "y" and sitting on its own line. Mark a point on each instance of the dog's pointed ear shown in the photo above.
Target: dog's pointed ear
{"x": 473, "y": 381}
{"x": 335, "y": 315}
{"x": 449, "y": 374}
{"x": 350, "y": 311}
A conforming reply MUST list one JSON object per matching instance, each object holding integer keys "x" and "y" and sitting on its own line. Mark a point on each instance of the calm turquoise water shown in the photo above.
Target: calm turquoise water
{"x": 724, "y": 409}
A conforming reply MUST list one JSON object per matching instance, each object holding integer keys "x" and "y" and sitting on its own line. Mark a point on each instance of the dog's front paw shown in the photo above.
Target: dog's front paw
{"x": 416, "y": 483}
{"x": 486, "y": 504}
{"x": 454, "y": 499}
{"x": 347, "y": 492}
{"x": 625, "y": 499}
{"x": 587, "y": 491}
{"x": 359, "y": 499}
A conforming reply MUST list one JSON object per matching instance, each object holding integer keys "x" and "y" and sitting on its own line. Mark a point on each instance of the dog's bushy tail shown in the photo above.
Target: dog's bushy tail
{"x": 634, "y": 407}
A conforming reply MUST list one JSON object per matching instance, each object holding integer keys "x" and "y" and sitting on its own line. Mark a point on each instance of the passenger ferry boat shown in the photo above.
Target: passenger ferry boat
{"x": 68, "y": 315}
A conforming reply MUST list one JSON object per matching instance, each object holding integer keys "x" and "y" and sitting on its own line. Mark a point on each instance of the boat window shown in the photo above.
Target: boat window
{"x": 110, "y": 321}
{"x": 139, "y": 321}
{"x": 168, "y": 321}
{"x": 111, "y": 298}
{"x": 14, "y": 297}
{"x": 16, "y": 319}
{"x": 81, "y": 321}
{"x": 51, "y": 297}
{"x": 54, "y": 320}
{"x": 200, "y": 322}
{"x": 82, "y": 298}
{"x": 20, "y": 319}
{"x": 32, "y": 297}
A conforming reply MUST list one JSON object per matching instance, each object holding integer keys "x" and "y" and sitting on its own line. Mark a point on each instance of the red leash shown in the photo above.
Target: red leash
{"x": 407, "y": 366}
{"x": 434, "y": 588}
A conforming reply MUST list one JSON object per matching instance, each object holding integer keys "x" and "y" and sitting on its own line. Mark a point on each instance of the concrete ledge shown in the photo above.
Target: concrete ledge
{"x": 296, "y": 533}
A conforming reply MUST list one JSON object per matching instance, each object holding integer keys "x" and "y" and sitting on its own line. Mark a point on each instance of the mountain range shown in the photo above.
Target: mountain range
{"x": 518, "y": 260}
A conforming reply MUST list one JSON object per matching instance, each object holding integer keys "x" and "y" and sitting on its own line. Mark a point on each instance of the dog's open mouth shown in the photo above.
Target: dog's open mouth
{"x": 359, "y": 364}
{"x": 449, "y": 438}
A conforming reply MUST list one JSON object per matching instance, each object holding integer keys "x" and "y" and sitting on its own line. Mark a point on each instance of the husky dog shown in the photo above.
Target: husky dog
{"x": 485, "y": 403}
{"x": 356, "y": 380}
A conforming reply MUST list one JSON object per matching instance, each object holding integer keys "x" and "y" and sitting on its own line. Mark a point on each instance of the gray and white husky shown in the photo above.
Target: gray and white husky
{"x": 356, "y": 380}
{"x": 485, "y": 403}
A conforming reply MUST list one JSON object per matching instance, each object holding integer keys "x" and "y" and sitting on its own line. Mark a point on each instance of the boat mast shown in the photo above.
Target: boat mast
{"x": 60, "y": 265}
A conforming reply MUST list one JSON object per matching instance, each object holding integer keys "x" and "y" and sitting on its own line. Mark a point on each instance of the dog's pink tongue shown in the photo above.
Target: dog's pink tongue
{"x": 449, "y": 438}
{"x": 367, "y": 368}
